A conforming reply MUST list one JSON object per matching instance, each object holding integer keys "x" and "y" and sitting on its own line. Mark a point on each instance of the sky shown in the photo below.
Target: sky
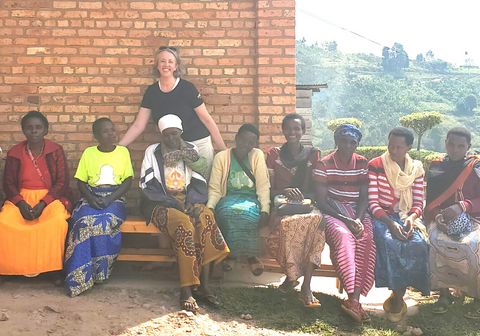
{"x": 448, "y": 28}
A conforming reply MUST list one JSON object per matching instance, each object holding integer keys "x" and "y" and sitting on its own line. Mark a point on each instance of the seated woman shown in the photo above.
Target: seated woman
{"x": 104, "y": 175}
{"x": 342, "y": 195}
{"x": 297, "y": 240}
{"x": 395, "y": 199}
{"x": 173, "y": 198}
{"x": 453, "y": 214}
{"x": 239, "y": 193}
{"x": 33, "y": 220}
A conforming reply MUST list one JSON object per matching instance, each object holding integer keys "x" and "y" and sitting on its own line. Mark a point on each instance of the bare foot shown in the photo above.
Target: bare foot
{"x": 288, "y": 285}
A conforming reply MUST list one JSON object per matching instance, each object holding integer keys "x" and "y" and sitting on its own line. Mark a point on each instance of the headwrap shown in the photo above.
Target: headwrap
{"x": 169, "y": 121}
{"x": 348, "y": 130}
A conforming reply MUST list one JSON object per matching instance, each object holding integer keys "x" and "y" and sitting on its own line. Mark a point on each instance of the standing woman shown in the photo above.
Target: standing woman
{"x": 297, "y": 240}
{"x": 173, "y": 95}
{"x": 342, "y": 195}
{"x": 33, "y": 221}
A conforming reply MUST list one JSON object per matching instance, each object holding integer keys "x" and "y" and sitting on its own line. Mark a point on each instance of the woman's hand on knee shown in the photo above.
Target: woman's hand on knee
{"x": 38, "y": 209}
{"x": 25, "y": 210}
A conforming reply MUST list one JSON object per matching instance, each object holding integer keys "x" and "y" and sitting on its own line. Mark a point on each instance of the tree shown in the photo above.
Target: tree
{"x": 420, "y": 58}
{"x": 429, "y": 56}
{"x": 394, "y": 59}
{"x": 421, "y": 122}
{"x": 333, "y": 124}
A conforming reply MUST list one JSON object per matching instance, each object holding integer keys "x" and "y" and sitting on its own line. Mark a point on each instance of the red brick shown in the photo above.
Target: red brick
{"x": 167, "y": 5}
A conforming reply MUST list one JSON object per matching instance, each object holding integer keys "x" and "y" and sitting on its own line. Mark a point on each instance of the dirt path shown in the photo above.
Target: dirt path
{"x": 35, "y": 307}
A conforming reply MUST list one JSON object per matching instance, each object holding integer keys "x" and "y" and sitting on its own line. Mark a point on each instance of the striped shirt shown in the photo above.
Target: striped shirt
{"x": 343, "y": 179}
{"x": 382, "y": 198}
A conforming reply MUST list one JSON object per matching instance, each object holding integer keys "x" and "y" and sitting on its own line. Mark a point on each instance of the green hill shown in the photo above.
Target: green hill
{"x": 361, "y": 87}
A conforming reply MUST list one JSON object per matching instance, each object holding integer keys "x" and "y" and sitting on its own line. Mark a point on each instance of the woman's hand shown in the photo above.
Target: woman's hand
{"x": 294, "y": 194}
{"x": 189, "y": 207}
{"x": 26, "y": 210}
{"x": 38, "y": 209}
{"x": 441, "y": 225}
{"x": 397, "y": 231}
{"x": 95, "y": 202}
{"x": 106, "y": 201}
{"x": 355, "y": 226}
{"x": 409, "y": 224}
{"x": 452, "y": 212}
{"x": 180, "y": 206}
{"x": 263, "y": 222}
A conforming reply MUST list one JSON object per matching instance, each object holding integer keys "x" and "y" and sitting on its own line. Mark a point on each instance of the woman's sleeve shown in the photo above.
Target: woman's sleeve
{"x": 417, "y": 190}
{"x": 271, "y": 165}
{"x": 262, "y": 180}
{"x": 373, "y": 202}
{"x": 194, "y": 97}
{"x": 214, "y": 184}
{"x": 10, "y": 180}
{"x": 147, "y": 101}
{"x": 128, "y": 169}
{"x": 62, "y": 180}
{"x": 320, "y": 174}
{"x": 82, "y": 171}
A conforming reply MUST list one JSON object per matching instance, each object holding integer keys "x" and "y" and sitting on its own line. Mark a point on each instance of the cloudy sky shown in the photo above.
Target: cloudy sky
{"x": 448, "y": 28}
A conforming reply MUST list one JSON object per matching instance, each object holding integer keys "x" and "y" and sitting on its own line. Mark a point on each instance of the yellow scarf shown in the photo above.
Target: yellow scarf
{"x": 402, "y": 180}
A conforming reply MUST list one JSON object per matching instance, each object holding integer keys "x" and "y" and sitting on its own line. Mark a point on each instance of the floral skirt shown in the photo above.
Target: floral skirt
{"x": 197, "y": 241}
{"x": 296, "y": 241}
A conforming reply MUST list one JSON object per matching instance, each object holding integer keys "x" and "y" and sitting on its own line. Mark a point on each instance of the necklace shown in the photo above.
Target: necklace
{"x": 30, "y": 152}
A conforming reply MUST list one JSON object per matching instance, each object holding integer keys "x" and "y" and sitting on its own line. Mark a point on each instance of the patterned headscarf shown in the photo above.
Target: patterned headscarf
{"x": 349, "y": 130}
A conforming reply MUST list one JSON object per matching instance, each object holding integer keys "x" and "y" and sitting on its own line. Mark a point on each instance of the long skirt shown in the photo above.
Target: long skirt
{"x": 353, "y": 258}
{"x": 455, "y": 264}
{"x": 237, "y": 217}
{"x": 296, "y": 241}
{"x": 32, "y": 246}
{"x": 401, "y": 264}
{"x": 94, "y": 242}
{"x": 196, "y": 241}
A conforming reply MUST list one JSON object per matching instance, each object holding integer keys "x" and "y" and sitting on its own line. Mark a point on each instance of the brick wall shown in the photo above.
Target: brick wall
{"x": 76, "y": 61}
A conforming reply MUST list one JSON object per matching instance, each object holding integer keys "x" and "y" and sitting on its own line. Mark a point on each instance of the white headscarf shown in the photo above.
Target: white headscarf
{"x": 168, "y": 121}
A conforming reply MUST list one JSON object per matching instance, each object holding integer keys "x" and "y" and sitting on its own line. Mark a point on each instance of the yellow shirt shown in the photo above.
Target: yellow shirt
{"x": 99, "y": 168}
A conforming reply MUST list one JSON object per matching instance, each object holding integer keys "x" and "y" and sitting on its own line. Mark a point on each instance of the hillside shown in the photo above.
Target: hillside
{"x": 360, "y": 87}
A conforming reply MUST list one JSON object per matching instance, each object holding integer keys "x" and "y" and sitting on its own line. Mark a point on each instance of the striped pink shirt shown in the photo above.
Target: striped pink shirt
{"x": 381, "y": 196}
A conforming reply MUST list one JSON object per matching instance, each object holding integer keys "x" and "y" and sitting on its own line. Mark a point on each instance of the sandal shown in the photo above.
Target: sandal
{"x": 312, "y": 304}
{"x": 396, "y": 317}
{"x": 288, "y": 286}
{"x": 387, "y": 305}
{"x": 209, "y": 299}
{"x": 189, "y": 304}
{"x": 442, "y": 305}
{"x": 228, "y": 265}
{"x": 353, "y": 308}
{"x": 257, "y": 268}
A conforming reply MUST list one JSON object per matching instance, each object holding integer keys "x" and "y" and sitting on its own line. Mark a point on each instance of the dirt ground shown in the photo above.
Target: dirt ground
{"x": 36, "y": 307}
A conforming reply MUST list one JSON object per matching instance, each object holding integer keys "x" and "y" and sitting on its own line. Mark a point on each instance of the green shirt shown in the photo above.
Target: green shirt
{"x": 238, "y": 181}
{"x": 99, "y": 168}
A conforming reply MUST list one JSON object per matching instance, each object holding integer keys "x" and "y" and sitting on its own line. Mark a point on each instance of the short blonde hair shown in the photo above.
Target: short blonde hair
{"x": 174, "y": 51}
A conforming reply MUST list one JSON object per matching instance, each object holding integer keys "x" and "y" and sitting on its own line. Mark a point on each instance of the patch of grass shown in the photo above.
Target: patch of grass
{"x": 272, "y": 309}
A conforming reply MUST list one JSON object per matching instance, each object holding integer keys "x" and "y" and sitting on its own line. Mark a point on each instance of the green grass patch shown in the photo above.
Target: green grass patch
{"x": 284, "y": 312}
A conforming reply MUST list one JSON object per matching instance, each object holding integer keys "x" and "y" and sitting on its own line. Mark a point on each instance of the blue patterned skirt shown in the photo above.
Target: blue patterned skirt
{"x": 94, "y": 242}
{"x": 237, "y": 217}
{"x": 401, "y": 264}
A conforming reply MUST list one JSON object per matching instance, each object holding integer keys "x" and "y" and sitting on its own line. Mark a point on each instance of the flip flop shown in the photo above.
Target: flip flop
{"x": 354, "y": 310}
{"x": 312, "y": 304}
{"x": 387, "y": 305}
{"x": 288, "y": 288}
{"x": 209, "y": 299}
{"x": 396, "y": 317}
{"x": 441, "y": 306}
{"x": 473, "y": 314}
{"x": 228, "y": 265}
{"x": 257, "y": 268}
{"x": 190, "y": 300}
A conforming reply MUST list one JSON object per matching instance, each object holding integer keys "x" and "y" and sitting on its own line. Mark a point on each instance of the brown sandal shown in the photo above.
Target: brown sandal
{"x": 354, "y": 309}
{"x": 185, "y": 304}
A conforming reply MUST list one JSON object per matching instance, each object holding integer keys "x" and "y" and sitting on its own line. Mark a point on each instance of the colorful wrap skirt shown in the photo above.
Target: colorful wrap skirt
{"x": 32, "y": 246}
{"x": 94, "y": 242}
{"x": 401, "y": 264}
{"x": 237, "y": 217}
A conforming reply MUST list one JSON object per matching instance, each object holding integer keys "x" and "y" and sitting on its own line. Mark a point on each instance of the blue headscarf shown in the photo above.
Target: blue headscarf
{"x": 349, "y": 130}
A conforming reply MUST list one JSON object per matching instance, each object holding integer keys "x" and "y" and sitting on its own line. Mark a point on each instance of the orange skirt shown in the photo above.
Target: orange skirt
{"x": 31, "y": 247}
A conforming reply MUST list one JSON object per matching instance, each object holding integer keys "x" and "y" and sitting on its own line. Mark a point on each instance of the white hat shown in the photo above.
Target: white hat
{"x": 168, "y": 121}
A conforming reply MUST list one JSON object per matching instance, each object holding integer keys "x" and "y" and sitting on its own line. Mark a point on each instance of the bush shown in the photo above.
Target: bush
{"x": 333, "y": 124}
{"x": 421, "y": 122}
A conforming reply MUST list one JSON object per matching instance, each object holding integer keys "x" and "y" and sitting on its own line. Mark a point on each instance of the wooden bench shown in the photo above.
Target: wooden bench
{"x": 135, "y": 225}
